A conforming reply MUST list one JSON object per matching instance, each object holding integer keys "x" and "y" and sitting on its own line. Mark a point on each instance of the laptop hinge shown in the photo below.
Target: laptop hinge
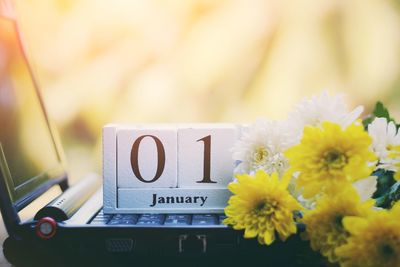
{"x": 10, "y": 215}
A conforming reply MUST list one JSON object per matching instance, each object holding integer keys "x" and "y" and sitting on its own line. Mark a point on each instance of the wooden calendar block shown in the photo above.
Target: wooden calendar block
{"x": 147, "y": 156}
{"x": 204, "y": 156}
{"x": 143, "y": 165}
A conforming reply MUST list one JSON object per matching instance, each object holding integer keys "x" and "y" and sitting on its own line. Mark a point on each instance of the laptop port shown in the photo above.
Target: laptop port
{"x": 120, "y": 245}
{"x": 192, "y": 244}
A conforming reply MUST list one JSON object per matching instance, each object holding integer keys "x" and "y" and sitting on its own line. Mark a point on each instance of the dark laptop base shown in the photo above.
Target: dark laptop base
{"x": 118, "y": 246}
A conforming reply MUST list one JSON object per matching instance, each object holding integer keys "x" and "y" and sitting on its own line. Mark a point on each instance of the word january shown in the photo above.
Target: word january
{"x": 179, "y": 200}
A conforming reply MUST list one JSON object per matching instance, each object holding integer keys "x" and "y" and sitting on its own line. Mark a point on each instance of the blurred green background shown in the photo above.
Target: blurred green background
{"x": 203, "y": 61}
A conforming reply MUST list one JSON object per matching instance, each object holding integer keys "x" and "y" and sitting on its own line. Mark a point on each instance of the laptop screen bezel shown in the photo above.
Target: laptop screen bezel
{"x": 22, "y": 195}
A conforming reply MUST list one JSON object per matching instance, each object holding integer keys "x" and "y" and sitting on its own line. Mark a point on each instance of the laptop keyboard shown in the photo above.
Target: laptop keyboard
{"x": 158, "y": 219}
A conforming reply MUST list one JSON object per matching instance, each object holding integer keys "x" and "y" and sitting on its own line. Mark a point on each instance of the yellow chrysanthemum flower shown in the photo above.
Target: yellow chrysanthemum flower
{"x": 374, "y": 241}
{"x": 329, "y": 155}
{"x": 261, "y": 205}
{"x": 324, "y": 226}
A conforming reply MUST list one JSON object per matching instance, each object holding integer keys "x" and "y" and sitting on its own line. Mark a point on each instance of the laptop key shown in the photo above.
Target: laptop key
{"x": 152, "y": 216}
{"x": 127, "y": 222}
{"x": 122, "y": 222}
{"x": 177, "y": 219}
{"x": 204, "y": 219}
{"x": 98, "y": 222}
{"x": 123, "y": 219}
{"x": 151, "y": 219}
{"x": 153, "y": 222}
{"x": 118, "y": 216}
{"x": 113, "y": 222}
{"x": 100, "y": 219}
{"x": 133, "y": 217}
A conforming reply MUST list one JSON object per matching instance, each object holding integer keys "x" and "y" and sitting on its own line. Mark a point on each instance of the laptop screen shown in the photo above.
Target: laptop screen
{"x": 29, "y": 157}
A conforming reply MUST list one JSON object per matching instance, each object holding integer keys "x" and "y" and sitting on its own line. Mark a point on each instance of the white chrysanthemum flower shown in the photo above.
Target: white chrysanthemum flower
{"x": 261, "y": 147}
{"x": 385, "y": 138}
{"x": 317, "y": 109}
{"x": 308, "y": 203}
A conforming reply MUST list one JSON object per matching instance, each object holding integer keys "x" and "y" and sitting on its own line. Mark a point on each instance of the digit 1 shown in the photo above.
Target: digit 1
{"x": 207, "y": 160}
{"x": 160, "y": 158}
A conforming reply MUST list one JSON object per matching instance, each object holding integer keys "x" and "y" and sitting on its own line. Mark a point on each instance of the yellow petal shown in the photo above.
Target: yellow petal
{"x": 354, "y": 224}
{"x": 269, "y": 237}
{"x": 396, "y": 209}
{"x": 250, "y": 233}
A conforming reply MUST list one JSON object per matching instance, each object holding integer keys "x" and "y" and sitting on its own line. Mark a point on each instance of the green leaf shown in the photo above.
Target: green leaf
{"x": 383, "y": 202}
{"x": 380, "y": 111}
{"x": 394, "y": 194}
{"x": 384, "y": 182}
{"x": 367, "y": 121}
{"x": 387, "y": 190}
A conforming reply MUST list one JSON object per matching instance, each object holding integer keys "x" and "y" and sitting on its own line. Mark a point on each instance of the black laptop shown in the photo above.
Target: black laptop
{"x": 72, "y": 229}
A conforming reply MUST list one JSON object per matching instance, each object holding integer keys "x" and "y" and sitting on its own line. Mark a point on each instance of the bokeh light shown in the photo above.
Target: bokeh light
{"x": 203, "y": 61}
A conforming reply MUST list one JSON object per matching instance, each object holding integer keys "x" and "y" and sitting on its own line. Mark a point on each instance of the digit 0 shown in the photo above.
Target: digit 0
{"x": 207, "y": 160}
{"x": 160, "y": 158}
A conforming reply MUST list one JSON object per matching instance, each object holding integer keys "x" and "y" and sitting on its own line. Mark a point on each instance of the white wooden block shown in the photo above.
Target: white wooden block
{"x": 109, "y": 168}
{"x": 147, "y": 157}
{"x": 172, "y": 200}
{"x": 204, "y": 156}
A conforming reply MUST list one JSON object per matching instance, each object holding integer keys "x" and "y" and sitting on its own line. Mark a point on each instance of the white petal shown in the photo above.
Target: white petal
{"x": 352, "y": 116}
{"x": 366, "y": 187}
{"x": 391, "y": 130}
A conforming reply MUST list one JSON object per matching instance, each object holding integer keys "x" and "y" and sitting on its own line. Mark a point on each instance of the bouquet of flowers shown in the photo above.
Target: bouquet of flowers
{"x": 327, "y": 170}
